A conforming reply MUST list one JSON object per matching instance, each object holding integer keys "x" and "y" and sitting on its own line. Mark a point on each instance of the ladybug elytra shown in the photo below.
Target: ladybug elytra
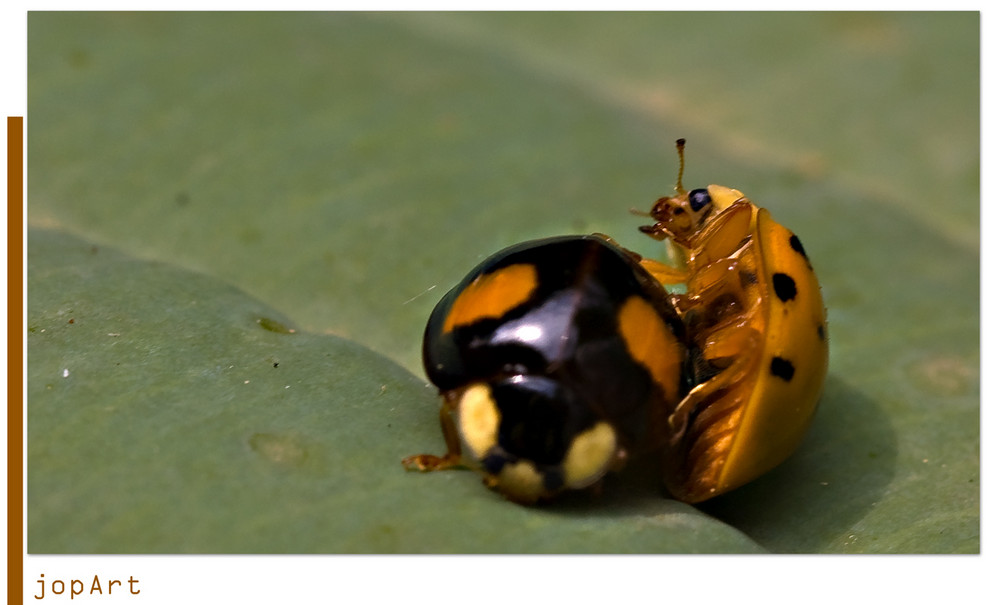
{"x": 560, "y": 358}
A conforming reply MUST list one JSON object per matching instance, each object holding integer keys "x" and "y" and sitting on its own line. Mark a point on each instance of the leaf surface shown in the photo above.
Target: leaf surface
{"x": 197, "y": 178}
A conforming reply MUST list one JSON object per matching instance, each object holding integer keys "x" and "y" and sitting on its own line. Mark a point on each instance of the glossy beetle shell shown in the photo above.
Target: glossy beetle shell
{"x": 756, "y": 326}
{"x": 556, "y": 359}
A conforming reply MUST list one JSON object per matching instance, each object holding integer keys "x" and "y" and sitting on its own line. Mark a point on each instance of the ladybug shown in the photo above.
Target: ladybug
{"x": 556, "y": 359}
{"x": 756, "y": 328}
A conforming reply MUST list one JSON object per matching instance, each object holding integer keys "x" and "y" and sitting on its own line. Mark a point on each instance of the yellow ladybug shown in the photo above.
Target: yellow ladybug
{"x": 756, "y": 331}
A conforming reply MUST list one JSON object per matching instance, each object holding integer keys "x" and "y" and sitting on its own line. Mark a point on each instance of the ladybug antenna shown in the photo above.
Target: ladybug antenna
{"x": 680, "y": 171}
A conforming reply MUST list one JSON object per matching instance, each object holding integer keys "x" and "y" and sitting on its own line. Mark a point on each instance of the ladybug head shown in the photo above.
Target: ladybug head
{"x": 680, "y": 217}
{"x": 533, "y": 438}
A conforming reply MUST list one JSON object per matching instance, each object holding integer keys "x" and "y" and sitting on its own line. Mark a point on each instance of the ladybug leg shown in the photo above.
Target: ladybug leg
{"x": 728, "y": 293}
{"x": 663, "y": 273}
{"x": 659, "y": 231}
{"x": 732, "y": 347}
{"x": 730, "y": 342}
{"x": 452, "y": 458}
{"x": 727, "y": 341}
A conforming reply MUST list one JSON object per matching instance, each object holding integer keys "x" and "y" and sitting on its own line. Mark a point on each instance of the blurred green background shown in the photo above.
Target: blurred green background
{"x": 239, "y": 223}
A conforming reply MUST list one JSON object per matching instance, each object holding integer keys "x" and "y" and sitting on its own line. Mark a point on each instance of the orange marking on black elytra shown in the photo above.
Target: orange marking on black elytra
{"x": 651, "y": 343}
{"x": 491, "y": 295}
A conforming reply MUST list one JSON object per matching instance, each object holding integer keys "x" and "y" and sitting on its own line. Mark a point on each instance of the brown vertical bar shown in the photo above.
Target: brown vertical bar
{"x": 15, "y": 363}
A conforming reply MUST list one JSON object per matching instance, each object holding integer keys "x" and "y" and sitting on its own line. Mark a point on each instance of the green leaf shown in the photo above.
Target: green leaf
{"x": 172, "y": 413}
{"x": 199, "y": 182}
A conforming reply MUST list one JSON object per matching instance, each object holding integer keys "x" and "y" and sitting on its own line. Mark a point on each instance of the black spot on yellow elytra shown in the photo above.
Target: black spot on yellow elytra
{"x": 784, "y": 286}
{"x": 782, "y": 368}
{"x": 796, "y": 245}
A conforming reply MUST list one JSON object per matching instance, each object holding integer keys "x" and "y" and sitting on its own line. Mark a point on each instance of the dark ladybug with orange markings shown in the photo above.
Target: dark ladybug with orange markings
{"x": 560, "y": 358}
{"x": 556, "y": 358}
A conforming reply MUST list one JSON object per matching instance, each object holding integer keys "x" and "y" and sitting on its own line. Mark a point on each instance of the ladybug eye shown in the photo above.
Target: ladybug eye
{"x": 698, "y": 199}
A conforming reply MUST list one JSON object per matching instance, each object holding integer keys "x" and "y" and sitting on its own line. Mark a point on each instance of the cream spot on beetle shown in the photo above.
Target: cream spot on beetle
{"x": 520, "y": 482}
{"x": 478, "y": 419}
{"x": 589, "y": 455}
